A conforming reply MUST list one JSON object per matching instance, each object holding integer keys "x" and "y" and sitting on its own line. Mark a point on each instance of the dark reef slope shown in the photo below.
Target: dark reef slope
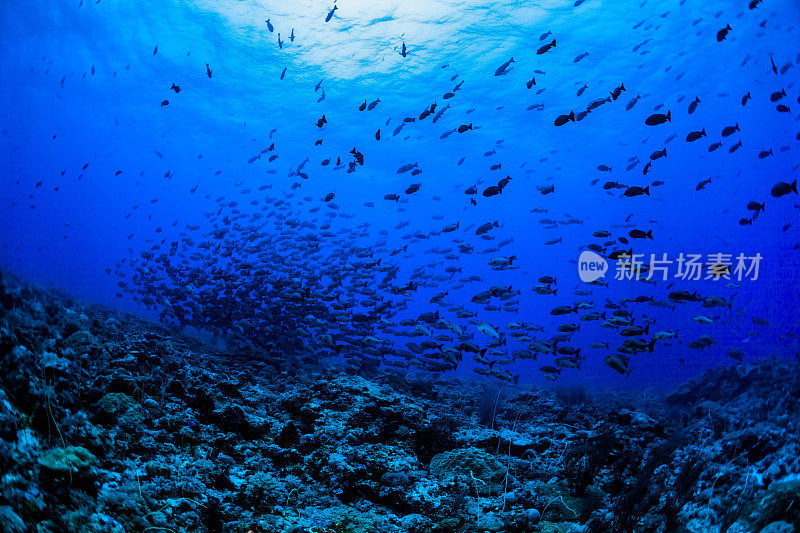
{"x": 110, "y": 424}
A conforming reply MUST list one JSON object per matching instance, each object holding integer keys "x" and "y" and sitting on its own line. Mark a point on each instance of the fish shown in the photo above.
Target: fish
{"x": 546, "y": 47}
{"x": 633, "y": 101}
{"x": 619, "y": 363}
{"x": 580, "y": 56}
{"x": 637, "y": 191}
{"x": 723, "y": 33}
{"x": 658, "y": 118}
{"x": 776, "y": 96}
{"x": 407, "y": 167}
{"x": 702, "y": 184}
{"x": 504, "y": 69}
{"x": 782, "y": 189}
{"x": 693, "y": 136}
{"x": 484, "y": 228}
{"x": 639, "y": 234}
{"x": 329, "y": 16}
{"x": 693, "y": 105}
{"x": 616, "y": 92}
{"x": 563, "y": 119}
{"x": 208, "y": 70}
{"x": 727, "y": 131}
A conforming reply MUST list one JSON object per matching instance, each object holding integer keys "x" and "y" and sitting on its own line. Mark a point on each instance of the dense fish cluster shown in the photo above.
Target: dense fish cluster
{"x": 281, "y": 274}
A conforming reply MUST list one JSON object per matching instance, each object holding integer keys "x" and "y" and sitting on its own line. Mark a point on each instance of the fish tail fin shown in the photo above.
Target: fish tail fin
{"x": 650, "y": 345}
{"x": 794, "y": 186}
{"x": 554, "y": 43}
{"x": 649, "y": 234}
{"x": 516, "y": 379}
{"x": 482, "y": 352}
{"x": 669, "y": 115}
{"x": 647, "y": 190}
{"x": 554, "y": 292}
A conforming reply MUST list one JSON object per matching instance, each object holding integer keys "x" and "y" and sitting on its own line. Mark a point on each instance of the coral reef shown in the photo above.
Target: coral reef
{"x": 109, "y": 423}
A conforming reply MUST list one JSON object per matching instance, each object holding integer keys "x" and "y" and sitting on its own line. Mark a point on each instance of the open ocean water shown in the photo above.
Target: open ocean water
{"x": 587, "y": 207}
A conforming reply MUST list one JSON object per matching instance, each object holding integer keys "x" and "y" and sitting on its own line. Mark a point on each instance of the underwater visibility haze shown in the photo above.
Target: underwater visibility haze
{"x": 400, "y": 266}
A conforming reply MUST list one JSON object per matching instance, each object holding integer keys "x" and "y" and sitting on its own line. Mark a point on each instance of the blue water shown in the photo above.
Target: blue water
{"x": 80, "y": 83}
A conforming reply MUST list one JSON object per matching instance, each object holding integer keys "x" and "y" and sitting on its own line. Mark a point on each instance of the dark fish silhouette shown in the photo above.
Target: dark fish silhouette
{"x": 657, "y": 118}
{"x": 563, "y": 119}
{"x": 330, "y": 13}
{"x": 693, "y": 136}
{"x": 781, "y": 189}
{"x": 545, "y": 48}
{"x": 503, "y": 69}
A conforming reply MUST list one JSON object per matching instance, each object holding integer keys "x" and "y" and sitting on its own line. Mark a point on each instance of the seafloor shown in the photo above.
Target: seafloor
{"x": 109, "y": 423}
